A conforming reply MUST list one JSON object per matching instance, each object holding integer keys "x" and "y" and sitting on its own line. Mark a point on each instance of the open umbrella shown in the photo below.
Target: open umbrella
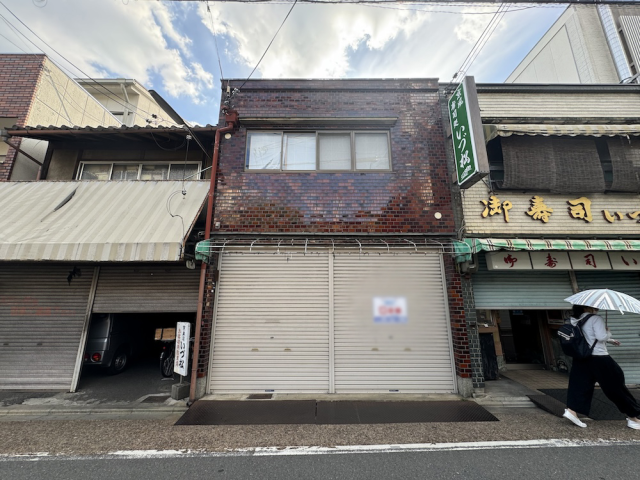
{"x": 605, "y": 299}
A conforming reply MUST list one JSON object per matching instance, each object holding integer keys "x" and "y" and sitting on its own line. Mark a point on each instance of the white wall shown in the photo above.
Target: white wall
{"x": 574, "y": 50}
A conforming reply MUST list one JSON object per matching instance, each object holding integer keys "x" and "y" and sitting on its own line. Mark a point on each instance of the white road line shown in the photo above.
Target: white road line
{"x": 347, "y": 449}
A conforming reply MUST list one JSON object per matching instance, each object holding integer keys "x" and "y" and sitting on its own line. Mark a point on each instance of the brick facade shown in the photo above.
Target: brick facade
{"x": 401, "y": 201}
{"x": 206, "y": 326}
{"x": 19, "y": 77}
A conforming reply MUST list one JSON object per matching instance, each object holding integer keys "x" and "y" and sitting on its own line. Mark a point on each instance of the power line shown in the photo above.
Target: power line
{"x": 215, "y": 39}
{"x": 268, "y": 46}
{"x": 106, "y": 90}
{"x": 480, "y": 43}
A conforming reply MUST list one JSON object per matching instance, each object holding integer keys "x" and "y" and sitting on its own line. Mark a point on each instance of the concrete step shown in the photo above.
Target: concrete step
{"x": 505, "y": 401}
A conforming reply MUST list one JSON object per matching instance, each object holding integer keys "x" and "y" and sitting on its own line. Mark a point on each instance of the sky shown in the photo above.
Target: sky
{"x": 179, "y": 48}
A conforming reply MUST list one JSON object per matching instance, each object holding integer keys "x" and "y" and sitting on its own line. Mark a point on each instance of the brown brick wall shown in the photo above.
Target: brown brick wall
{"x": 459, "y": 336}
{"x": 19, "y": 76}
{"x": 402, "y": 201}
{"x": 206, "y": 326}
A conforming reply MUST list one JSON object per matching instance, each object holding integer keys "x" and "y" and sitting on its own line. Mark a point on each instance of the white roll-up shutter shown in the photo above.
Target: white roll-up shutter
{"x": 147, "y": 288}
{"x": 520, "y": 290}
{"x": 415, "y": 357}
{"x": 271, "y": 332}
{"x": 42, "y": 317}
{"x": 625, "y": 328}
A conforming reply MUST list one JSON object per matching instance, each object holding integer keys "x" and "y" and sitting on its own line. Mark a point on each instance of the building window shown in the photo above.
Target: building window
{"x": 322, "y": 151}
{"x": 138, "y": 171}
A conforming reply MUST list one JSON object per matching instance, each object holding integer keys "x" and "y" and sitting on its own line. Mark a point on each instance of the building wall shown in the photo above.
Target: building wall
{"x": 401, "y": 201}
{"x": 560, "y": 222}
{"x": 569, "y": 106}
{"x": 574, "y": 50}
{"x": 137, "y": 110}
{"x": 19, "y": 77}
{"x": 36, "y": 92}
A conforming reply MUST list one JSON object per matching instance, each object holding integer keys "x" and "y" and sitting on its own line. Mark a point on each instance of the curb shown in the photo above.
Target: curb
{"x": 71, "y": 410}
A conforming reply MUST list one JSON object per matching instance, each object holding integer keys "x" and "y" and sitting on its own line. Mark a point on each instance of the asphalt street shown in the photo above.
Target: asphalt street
{"x": 577, "y": 462}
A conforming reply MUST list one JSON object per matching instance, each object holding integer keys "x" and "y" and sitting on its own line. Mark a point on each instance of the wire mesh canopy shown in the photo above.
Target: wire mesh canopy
{"x": 605, "y": 299}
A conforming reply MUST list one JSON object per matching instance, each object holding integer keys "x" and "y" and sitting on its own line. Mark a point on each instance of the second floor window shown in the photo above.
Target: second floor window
{"x": 321, "y": 151}
{"x": 138, "y": 171}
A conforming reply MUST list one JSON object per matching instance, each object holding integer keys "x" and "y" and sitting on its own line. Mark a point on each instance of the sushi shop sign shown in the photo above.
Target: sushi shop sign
{"x": 469, "y": 148}
{"x": 572, "y": 260}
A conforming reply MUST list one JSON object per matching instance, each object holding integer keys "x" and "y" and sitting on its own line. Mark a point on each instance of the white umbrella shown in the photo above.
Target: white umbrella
{"x": 605, "y": 299}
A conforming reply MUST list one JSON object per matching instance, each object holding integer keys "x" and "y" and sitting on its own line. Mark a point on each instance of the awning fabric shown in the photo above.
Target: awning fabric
{"x": 502, "y": 130}
{"x": 98, "y": 221}
{"x": 470, "y": 246}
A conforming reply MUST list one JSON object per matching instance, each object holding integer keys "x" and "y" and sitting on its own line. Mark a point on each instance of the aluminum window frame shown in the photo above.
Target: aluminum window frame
{"x": 198, "y": 166}
{"x": 318, "y": 133}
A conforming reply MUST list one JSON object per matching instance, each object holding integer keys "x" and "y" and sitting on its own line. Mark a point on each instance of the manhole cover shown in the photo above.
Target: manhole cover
{"x": 260, "y": 396}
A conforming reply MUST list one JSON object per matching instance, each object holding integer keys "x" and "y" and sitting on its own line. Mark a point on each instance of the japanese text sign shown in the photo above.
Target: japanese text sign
{"x": 508, "y": 261}
{"x": 586, "y": 260}
{"x": 550, "y": 261}
{"x": 390, "y": 310}
{"x": 181, "y": 362}
{"x": 466, "y": 131}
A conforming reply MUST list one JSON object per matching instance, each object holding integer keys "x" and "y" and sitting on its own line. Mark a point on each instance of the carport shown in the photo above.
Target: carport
{"x": 70, "y": 249}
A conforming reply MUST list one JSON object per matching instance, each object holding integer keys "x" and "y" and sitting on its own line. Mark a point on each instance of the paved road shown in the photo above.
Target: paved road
{"x": 582, "y": 462}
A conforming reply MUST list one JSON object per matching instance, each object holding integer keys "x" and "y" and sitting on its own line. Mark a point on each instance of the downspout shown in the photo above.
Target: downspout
{"x": 231, "y": 118}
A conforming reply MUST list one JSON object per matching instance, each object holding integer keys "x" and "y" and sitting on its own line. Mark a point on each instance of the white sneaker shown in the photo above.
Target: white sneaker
{"x": 633, "y": 424}
{"x": 567, "y": 414}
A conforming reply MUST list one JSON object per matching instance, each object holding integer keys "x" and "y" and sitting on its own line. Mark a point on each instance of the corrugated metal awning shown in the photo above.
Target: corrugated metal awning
{"x": 504, "y": 130}
{"x": 98, "y": 221}
{"x": 474, "y": 245}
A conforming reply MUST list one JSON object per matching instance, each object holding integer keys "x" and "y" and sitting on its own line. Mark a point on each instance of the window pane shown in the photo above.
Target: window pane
{"x": 96, "y": 171}
{"x": 299, "y": 151}
{"x": 372, "y": 151}
{"x": 263, "y": 150}
{"x": 335, "y": 152}
{"x": 125, "y": 172}
{"x": 154, "y": 172}
{"x": 179, "y": 171}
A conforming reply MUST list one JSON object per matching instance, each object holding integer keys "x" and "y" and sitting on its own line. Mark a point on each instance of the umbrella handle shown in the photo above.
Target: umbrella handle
{"x": 606, "y": 319}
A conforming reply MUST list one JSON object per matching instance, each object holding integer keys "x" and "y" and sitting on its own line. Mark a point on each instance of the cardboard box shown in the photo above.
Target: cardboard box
{"x": 165, "y": 334}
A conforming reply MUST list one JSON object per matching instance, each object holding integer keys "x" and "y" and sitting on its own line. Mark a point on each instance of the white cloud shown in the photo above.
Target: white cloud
{"x": 130, "y": 40}
{"x": 316, "y": 39}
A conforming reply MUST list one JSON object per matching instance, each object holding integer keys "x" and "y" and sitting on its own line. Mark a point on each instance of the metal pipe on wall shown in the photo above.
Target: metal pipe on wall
{"x": 231, "y": 118}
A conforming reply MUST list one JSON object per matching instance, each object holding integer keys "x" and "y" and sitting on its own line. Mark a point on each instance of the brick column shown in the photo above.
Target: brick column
{"x": 206, "y": 328}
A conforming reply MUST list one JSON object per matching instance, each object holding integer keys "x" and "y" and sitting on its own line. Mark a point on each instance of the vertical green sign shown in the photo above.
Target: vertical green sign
{"x": 463, "y": 134}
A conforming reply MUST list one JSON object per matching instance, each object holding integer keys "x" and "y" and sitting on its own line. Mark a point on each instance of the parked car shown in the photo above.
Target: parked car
{"x": 110, "y": 343}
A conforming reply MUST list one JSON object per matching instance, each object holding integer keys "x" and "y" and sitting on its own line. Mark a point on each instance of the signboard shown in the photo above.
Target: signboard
{"x": 390, "y": 310}
{"x": 470, "y": 152}
{"x": 625, "y": 260}
{"x": 587, "y": 260}
{"x": 505, "y": 260}
{"x": 550, "y": 260}
{"x": 181, "y": 362}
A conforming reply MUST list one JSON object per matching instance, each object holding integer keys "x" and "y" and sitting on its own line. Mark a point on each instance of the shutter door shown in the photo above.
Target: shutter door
{"x": 520, "y": 290}
{"x": 414, "y": 357}
{"x": 147, "y": 288}
{"x": 42, "y": 317}
{"x": 625, "y": 328}
{"x": 272, "y": 324}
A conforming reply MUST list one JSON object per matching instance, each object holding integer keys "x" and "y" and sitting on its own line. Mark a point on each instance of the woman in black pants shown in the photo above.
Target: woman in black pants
{"x": 601, "y": 368}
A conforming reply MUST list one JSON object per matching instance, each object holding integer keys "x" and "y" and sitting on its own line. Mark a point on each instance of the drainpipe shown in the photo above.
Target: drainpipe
{"x": 231, "y": 119}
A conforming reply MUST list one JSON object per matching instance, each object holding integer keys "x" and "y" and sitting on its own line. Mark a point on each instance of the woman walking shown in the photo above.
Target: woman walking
{"x": 600, "y": 368}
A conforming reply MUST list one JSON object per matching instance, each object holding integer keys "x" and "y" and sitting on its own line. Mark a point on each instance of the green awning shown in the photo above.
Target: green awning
{"x": 470, "y": 246}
